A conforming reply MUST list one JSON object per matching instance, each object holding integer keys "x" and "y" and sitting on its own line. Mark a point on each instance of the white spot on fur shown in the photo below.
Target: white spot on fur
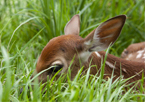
{"x": 139, "y": 53}
{"x": 130, "y": 55}
{"x": 98, "y": 54}
{"x": 124, "y": 70}
{"x": 110, "y": 64}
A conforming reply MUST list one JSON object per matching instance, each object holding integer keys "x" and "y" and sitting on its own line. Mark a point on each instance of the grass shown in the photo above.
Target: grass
{"x": 26, "y": 27}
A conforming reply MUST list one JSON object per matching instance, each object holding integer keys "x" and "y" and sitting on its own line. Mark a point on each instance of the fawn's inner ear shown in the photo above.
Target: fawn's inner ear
{"x": 105, "y": 34}
{"x": 73, "y": 26}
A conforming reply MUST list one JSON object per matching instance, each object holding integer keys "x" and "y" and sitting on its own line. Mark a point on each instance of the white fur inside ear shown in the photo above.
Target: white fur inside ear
{"x": 73, "y": 26}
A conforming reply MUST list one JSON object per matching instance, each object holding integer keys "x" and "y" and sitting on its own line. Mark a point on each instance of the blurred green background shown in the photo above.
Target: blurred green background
{"x": 27, "y": 25}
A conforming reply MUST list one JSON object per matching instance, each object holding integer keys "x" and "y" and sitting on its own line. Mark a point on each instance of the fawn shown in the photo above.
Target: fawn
{"x": 59, "y": 52}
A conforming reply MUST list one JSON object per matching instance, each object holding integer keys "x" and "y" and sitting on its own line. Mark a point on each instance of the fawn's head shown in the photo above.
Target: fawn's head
{"x": 60, "y": 50}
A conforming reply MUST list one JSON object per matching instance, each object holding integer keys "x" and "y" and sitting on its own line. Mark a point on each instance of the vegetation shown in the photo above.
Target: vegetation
{"x": 26, "y": 27}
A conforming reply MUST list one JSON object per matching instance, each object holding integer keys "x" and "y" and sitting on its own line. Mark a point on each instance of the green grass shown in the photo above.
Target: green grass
{"x": 26, "y": 27}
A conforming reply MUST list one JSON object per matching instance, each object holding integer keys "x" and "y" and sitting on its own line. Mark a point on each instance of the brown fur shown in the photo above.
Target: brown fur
{"x": 131, "y": 67}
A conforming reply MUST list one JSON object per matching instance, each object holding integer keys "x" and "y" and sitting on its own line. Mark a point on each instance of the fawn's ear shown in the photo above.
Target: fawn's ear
{"x": 105, "y": 34}
{"x": 73, "y": 26}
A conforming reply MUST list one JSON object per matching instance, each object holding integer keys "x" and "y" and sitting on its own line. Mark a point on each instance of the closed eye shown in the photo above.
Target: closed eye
{"x": 56, "y": 68}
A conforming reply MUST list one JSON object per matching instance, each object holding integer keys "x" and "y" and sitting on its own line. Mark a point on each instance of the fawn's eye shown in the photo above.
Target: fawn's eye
{"x": 56, "y": 66}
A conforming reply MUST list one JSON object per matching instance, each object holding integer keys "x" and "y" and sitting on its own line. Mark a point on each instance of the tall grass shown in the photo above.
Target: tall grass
{"x": 26, "y": 27}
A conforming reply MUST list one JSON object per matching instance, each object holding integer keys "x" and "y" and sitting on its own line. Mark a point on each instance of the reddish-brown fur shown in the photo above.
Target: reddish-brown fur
{"x": 131, "y": 52}
{"x": 61, "y": 50}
